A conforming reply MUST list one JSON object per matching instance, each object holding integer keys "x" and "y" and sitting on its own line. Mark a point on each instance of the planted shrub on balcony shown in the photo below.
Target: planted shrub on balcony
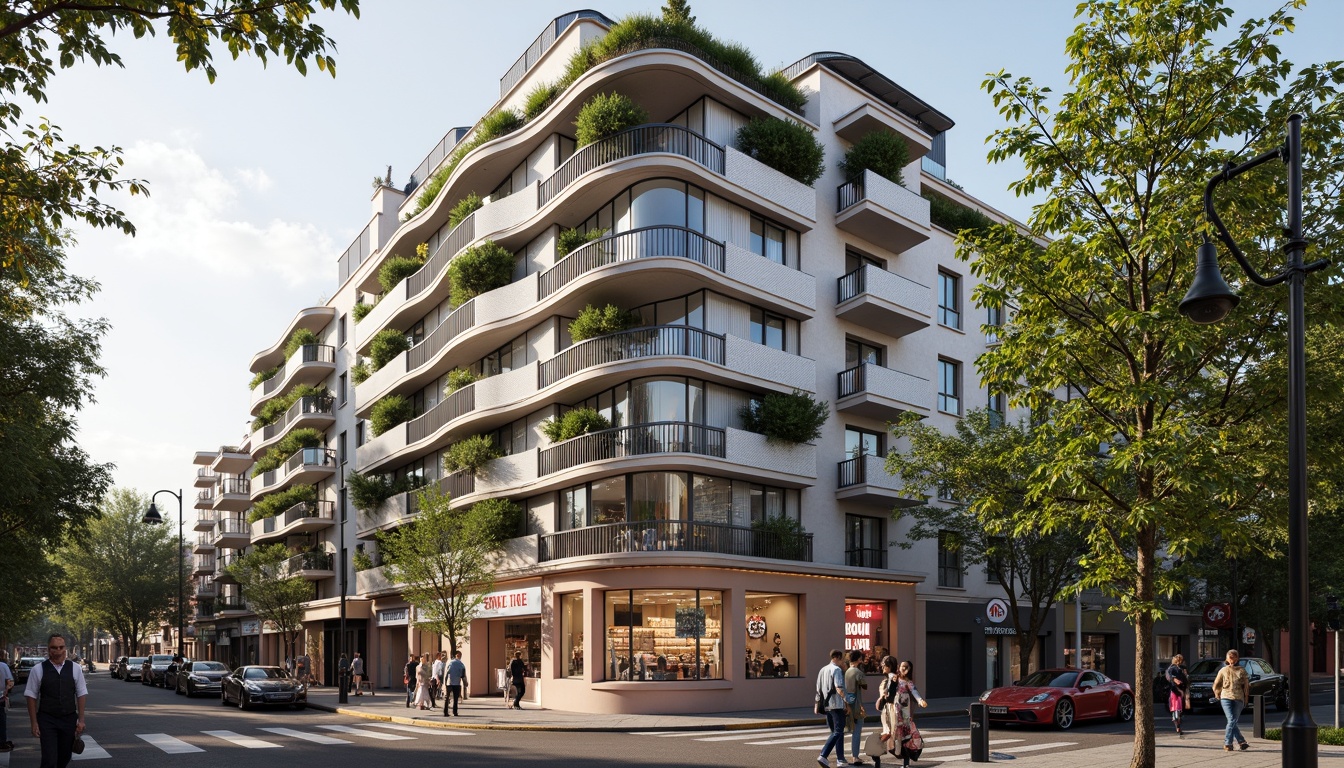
{"x": 470, "y": 454}
{"x": 396, "y": 269}
{"x": 500, "y": 518}
{"x": 386, "y": 345}
{"x": 290, "y": 444}
{"x": 569, "y": 239}
{"x": 600, "y": 321}
{"x": 491, "y": 127}
{"x": 274, "y": 504}
{"x": 362, "y": 310}
{"x": 538, "y": 99}
{"x": 360, "y": 373}
{"x": 785, "y": 145}
{"x": 263, "y": 376}
{"x": 457, "y": 379}
{"x": 579, "y": 421}
{"x": 361, "y": 560}
{"x": 389, "y": 412}
{"x": 464, "y": 208}
{"x": 955, "y": 217}
{"x": 793, "y": 418}
{"x": 479, "y": 269}
{"x": 300, "y": 338}
{"x": 881, "y": 152}
{"x": 273, "y": 409}
{"x": 607, "y": 114}
{"x": 780, "y": 537}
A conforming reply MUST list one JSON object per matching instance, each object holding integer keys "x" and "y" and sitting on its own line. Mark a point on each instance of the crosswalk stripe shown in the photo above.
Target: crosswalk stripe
{"x": 168, "y": 744}
{"x": 251, "y": 742}
{"x": 814, "y": 739}
{"x": 738, "y": 737}
{"x": 1034, "y": 747}
{"x": 422, "y": 730}
{"x": 720, "y": 732}
{"x": 316, "y": 738}
{"x": 91, "y": 751}
{"x": 954, "y": 747}
{"x": 369, "y": 734}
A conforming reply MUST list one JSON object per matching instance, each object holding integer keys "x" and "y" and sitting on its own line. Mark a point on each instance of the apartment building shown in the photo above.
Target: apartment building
{"x": 643, "y": 578}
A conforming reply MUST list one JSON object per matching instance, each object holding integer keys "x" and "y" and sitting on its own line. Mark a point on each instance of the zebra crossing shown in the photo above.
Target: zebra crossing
{"x": 325, "y": 735}
{"x": 939, "y": 745}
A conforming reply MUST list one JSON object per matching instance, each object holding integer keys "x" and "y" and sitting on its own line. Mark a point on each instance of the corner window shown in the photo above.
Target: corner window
{"x": 949, "y": 560}
{"x": 949, "y": 300}
{"x": 767, "y": 328}
{"x": 949, "y": 386}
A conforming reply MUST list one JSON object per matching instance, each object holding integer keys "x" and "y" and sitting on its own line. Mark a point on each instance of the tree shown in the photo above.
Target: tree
{"x": 445, "y": 559}
{"x": 46, "y": 181}
{"x": 122, "y": 571}
{"x": 678, "y": 12}
{"x": 1161, "y": 436}
{"x": 985, "y": 466}
{"x": 271, "y": 593}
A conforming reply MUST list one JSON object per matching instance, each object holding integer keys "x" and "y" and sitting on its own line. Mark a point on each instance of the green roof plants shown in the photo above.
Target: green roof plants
{"x": 491, "y": 127}
{"x": 263, "y": 376}
{"x": 954, "y": 216}
{"x": 396, "y": 269}
{"x": 606, "y": 114}
{"x": 538, "y": 99}
{"x": 470, "y": 454}
{"x": 360, "y": 373}
{"x": 464, "y": 208}
{"x": 363, "y": 309}
{"x": 301, "y": 337}
{"x": 569, "y": 239}
{"x": 457, "y": 379}
{"x": 600, "y": 321}
{"x": 881, "y": 152}
{"x": 386, "y": 345}
{"x": 579, "y": 421}
{"x": 275, "y": 408}
{"x": 290, "y": 444}
{"x": 479, "y": 269}
{"x": 793, "y": 418}
{"x": 502, "y": 518}
{"x": 275, "y": 503}
{"x": 389, "y": 412}
{"x": 785, "y": 145}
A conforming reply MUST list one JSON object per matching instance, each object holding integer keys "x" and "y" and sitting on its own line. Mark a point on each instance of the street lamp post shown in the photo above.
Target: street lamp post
{"x": 1210, "y": 300}
{"x": 152, "y": 517}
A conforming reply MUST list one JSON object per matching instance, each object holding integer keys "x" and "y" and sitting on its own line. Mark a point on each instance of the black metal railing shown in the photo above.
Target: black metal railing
{"x": 853, "y": 380}
{"x": 675, "y": 536}
{"x": 866, "y": 558}
{"x": 435, "y": 158}
{"x": 308, "y": 353}
{"x": 849, "y": 193}
{"x": 652, "y": 341}
{"x": 223, "y": 603}
{"x": 542, "y": 44}
{"x": 235, "y": 485}
{"x": 852, "y": 472}
{"x": 450, "y": 407}
{"x": 458, "y": 239}
{"x": 232, "y": 525}
{"x": 205, "y": 563}
{"x": 205, "y": 495}
{"x": 306, "y": 561}
{"x": 459, "y": 483}
{"x": 305, "y": 406}
{"x": 640, "y": 140}
{"x": 310, "y": 457}
{"x": 205, "y": 472}
{"x": 643, "y": 243}
{"x": 852, "y": 284}
{"x": 635, "y": 440}
{"x": 459, "y": 320}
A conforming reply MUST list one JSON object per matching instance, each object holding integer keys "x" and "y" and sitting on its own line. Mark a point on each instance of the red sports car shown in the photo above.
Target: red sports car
{"x": 1060, "y": 696}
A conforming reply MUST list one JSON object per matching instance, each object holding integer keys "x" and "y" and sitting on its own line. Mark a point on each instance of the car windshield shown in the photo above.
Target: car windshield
{"x": 29, "y": 662}
{"x": 161, "y": 660}
{"x": 137, "y": 660}
{"x": 1207, "y": 667}
{"x": 1050, "y": 679}
{"x": 208, "y": 666}
{"x": 265, "y": 673}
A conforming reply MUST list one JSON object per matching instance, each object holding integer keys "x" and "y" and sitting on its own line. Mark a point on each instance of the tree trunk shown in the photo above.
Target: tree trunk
{"x": 1145, "y": 746}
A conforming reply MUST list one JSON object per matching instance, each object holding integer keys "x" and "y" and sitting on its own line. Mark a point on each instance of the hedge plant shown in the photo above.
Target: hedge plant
{"x": 881, "y": 152}
{"x": 464, "y": 208}
{"x": 263, "y": 376}
{"x": 605, "y": 115}
{"x": 368, "y": 492}
{"x": 274, "y": 504}
{"x": 274, "y": 409}
{"x": 1324, "y": 735}
{"x": 396, "y": 269}
{"x": 491, "y": 127}
{"x": 290, "y": 444}
{"x": 361, "y": 560}
{"x": 785, "y": 145}
{"x": 360, "y": 373}
{"x": 569, "y": 239}
{"x": 386, "y": 345}
{"x": 579, "y": 421}
{"x": 793, "y": 418}
{"x": 389, "y": 412}
{"x": 457, "y": 379}
{"x": 362, "y": 310}
{"x": 600, "y": 321}
{"x": 301, "y": 337}
{"x": 783, "y": 537}
{"x": 479, "y": 269}
{"x": 538, "y": 99}
{"x": 501, "y": 518}
{"x": 470, "y": 454}
{"x": 955, "y": 217}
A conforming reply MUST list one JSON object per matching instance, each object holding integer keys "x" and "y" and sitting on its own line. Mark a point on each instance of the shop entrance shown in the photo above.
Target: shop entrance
{"x": 510, "y": 636}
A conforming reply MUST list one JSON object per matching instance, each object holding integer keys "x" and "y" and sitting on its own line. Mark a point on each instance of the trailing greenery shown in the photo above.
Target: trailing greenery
{"x": 290, "y": 444}
{"x": 470, "y": 454}
{"x": 1324, "y": 735}
{"x": 362, "y": 310}
{"x": 464, "y": 208}
{"x": 361, "y": 560}
{"x": 274, "y": 409}
{"x": 457, "y": 379}
{"x": 795, "y": 418}
{"x": 263, "y": 376}
{"x": 501, "y": 517}
{"x": 569, "y": 239}
{"x": 579, "y": 421}
{"x": 881, "y": 152}
{"x": 599, "y": 321}
{"x": 368, "y": 492}
{"x": 785, "y": 145}
{"x": 300, "y": 338}
{"x": 955, "y": 217}
{"x": 783, "y": 537}
{"x": 606, "y": 114}
{"x": 396, "y": 269}
{"x": 386, "y": 345}
{"x": 389, "y": 412}
{"x": 359, "y": 372}
{"x": 479, "y": 269}
{"x": 491, "y": 127}
{"x": 538, "y": 99}
{"x": 274, "y": 504}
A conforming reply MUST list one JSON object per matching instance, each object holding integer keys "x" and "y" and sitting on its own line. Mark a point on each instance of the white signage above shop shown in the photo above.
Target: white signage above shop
{"x": 511, "y": 602}
{"x": 394, "y": 617}
{"x": 251, "y": 627}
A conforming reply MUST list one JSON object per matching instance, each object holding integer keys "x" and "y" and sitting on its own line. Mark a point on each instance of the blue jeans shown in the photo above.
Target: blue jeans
{"x": 856, "y": 737}
{"x": 1232, "y": 708}
{"x": 835, "y": 720}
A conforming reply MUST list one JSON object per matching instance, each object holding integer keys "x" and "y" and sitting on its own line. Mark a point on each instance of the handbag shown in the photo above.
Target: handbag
{"x": 819, "y": 707}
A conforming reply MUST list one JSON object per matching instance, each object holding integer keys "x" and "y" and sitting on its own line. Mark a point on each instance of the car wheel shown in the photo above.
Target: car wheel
{"x": 1064, "y": 714}
{"x": 242, "y": 700}
{"x": 1125, "y": 711}
{"x": 1281, "y": 701}
{"x": 223, "y": 699}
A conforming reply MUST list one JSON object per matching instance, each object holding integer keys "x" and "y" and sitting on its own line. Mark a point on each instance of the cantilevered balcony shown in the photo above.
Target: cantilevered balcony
{"x": 205, "y": 611}
{"x": 205, "y": 477}
{"x": 312, "y": 566}
{"x": 232, "y": 533}
{"x": 205, "y": 587}
{"x": 864, "y": 479}
{"x": 313, "y": 411}
{"x": 222, "y": 563}
{"x": 304, "y": 517}
{"x": 884, "y": 302}
{"x": 310, "y": 364}
{"x": 204, "y": 545}
{"x": 642, "y": 139}
{"x": 203, "y": 564}
{"x": 644, "y": 243}
{"x": 882, "y": 393}
{"x": 233, "y": 494}
{"x": 230, "y": 460}
{"x": 230, "y": 605}
{"x": 205, "y": 499}
{"x": 205, "y": 520}
{"x": 656, "y": 536}
{"x": 306, "y": 467}
{"x": 882, "y": 212}
{"x": 636, "y": 440}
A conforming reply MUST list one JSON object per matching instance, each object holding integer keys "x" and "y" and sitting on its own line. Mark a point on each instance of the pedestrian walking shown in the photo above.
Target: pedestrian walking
{"x": 911, "y": 743}
{"x": 408, "y": 677}
{"x": 518, "y": 678}
{"x": 423, "y": 672}
{"x": 357, "y": 669}
{"x": 1178, "y": 681}
{"x": 343, "y": 674}
{"x": 831, "y": 690}
{"x": 436, "y": 678}
{"x": 1232, "y": 687}
{"x": 6, "y": 683}
{"x": 856, "y": 686}
{"x": 455, "y": 673}
{"x": 301, "y": 665}
{"x": 56, "y": 695}
{"x": 289, "y": 665}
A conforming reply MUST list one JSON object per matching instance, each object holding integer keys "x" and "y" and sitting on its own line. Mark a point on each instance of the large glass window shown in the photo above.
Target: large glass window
{"x": 767, "y": 240}
{"x": 772, "y": 636}
{"x": 949, "y": 386}
{"x": 949, "y": 561}
{"x": 949, "y": 300}
{"x": 767, "y": 328}
{"x": 571, "y": 634}
{"x": 673, "y": 496}
{"x": 653, "y": 203}
{"x": 861, "y": 442}
{"x": 658, "y": 496}
{"x": 574, "y": 507}
{"x": 860, "y": 352}
{"x": 608, "y": 500}
{"x": 645, "y": 401}
{"x": 865, "y": 544}
{"x": 993, "y": 323}
{"x": 664, "y": 634}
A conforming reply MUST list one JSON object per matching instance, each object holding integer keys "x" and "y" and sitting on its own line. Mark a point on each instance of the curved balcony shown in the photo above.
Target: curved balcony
{"x": 882, "y": 393}
{"x": 643, "y": 243}
{"x": 311, "y": 319}
{"x": 304, "y": 517}
{"x": 306, "y": 466}
{"x": 666, "y": 138}
{"x": 315, "y": 411}
{"x": 882, "y": 212}
{"x": 653, "y": 341}
{"x": 864, "y": 479}
{"x": 233, "y": 495}
{"x": 637, "y": 440}
{"x": 232, "y": 533}
{"x": 205, "y": 520}
{"x": 310, "y": 364}
{"x": 313, "y": 566}
{"x": 883, "y": 301}
{"x": 202, "y": 564}
{"x": 674, "y": 536}
{"x": 205, "y": 477}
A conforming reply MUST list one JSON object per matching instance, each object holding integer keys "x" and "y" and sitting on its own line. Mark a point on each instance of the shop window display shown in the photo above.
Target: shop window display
{"x": 664, "y": 634}
{"x": 772, "y": 636}
{"x": 865, "y": 631}
{"x": 571, "y": 634}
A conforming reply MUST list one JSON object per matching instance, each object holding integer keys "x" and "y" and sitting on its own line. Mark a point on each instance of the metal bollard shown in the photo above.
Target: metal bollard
{"x": 1258, "y": 724}
{"x": 979, "y": 733}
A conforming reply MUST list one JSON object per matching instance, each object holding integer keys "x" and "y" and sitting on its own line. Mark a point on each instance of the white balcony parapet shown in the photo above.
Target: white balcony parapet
{"x": 783, "y": 283}
{"x": 754, "y": 450}
{"x": 748, "y": 358}
{"x": 788, "y": 193}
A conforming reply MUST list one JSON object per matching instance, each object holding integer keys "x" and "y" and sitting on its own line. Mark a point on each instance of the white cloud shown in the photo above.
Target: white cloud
{"x": 255, "y": 179}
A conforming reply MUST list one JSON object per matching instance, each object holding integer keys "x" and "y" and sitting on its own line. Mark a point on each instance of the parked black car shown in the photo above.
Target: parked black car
{"x": 131, "y": 668}
{"x": 171, "y": 674}
{"x": 25, "y": 665}
{"x": 153, "y": 668}
{"x": 1264, "y": 682}
{"x": 200, "y": 677}
{"x": 256, "y": 685}
{"x": 115, "y": 666}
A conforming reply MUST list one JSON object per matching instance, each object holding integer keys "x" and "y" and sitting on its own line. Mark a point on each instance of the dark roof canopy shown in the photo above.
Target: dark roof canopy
{"x": 877, "y": 84}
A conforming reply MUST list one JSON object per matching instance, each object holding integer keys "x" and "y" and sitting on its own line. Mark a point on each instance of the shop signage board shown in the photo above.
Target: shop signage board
{"x": 394, "y": 617}
{"x": 996, "y": 612}
{"x": 251, "y": 627}
{"x": 690, "y": 622}
{"x": 861, "y": 619}
{"x": 511, "y": 602}
{"x": 1218, "y": 615}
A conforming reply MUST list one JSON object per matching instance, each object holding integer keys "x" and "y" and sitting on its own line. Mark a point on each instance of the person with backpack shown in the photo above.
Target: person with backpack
{"x": 831, "y": 699}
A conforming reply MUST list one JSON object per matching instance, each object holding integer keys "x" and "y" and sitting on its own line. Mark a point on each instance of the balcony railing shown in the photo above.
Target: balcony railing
{"x": 229, "y": 603}
{"x": 459, "y": 320}
{"x": 653, "y": 341}
{"x": 856, "y": 283}
{"x": 309, "y": 404}
{"x": 205, "y": 562}
{"x": 675, "y": 536}
{"x": 640, "y": 140}
{"x": 205, "y": 472}
{"x": 206, "y": 587}
{"x": 356, "y": 253}
{"x": 636, "y": 440}
{"x": 308, "y": 353}
{"x": 301, "y": 511}
{"x": 542, "y": 44}
{"x": 435, "y": 157}
{"x": 459, "y": 238}
{"x": 207, "y": 515}
{"x": 204, "y": 610}
{"x": 647, "y": 242}
{"x": 852, "y": 472}
{"x": 849, "y": 193}
{"x": 304, "y": 457}
{"x": 235, "y": 485}
{"x": 232, "y": 525}
{"x": 205, "y": 495}
{"x": 866, "y": 558}
{"x": 459, "y": 483}
{"x": 449, "y": 408}
{"x": 306, "y": 561}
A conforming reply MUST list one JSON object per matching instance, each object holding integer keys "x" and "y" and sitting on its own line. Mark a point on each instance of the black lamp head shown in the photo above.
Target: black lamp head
{"x": 1209, "y": 299}
{"x": 152, "y": 517}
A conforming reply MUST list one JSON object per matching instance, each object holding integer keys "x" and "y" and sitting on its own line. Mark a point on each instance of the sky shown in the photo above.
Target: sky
{"x": 260, "y": 181}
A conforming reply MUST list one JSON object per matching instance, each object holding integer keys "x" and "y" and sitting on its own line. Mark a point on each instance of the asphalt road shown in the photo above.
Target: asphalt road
{"x": 134, "y": 725}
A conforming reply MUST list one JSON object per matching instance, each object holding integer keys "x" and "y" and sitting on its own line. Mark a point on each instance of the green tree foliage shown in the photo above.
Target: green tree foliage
{"x": 575, "y": 422}
{"x": 479, "y": 269}
{"x": 368, "y": 492}
{"x": 599, "y": 321}
{"x": 445, "y": 559}
{"x": 360, "y": 373}
{"x": 606, "y": 114}
{"x": 457, "y": 379}
{"x": 793, "y": 418}
{"x": 271, "y": 592}
{"x": 677, "y": 12}
{"x": 273, "y": 409}
{"x": 1167, "y": 439}
{"x": 882, "y": 152}
{"x": 985, "y": 466}
{"x": 48, "y": 366}
{"x": 385, "y": 346}
{"x": 389, "y": 412}
{"x": 470, "y": 454}
{"x": 48, "y": 183}
{"x": 785, "y": 145}
{"x": 122, "y": 570}
{"x": 290, "y": 444}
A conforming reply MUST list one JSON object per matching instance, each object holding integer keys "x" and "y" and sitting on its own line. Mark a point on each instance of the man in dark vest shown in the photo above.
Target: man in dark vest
{"x": 56, "y": 693}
